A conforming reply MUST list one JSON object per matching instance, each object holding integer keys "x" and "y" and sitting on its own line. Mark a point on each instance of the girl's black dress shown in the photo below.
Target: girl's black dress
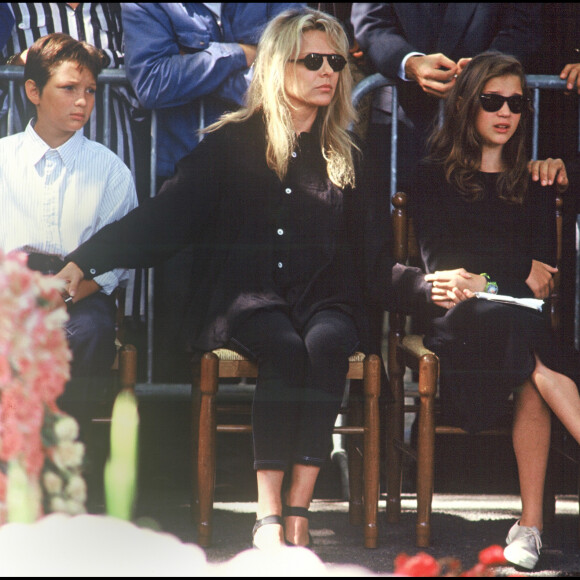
{"x": 486, "y": 349}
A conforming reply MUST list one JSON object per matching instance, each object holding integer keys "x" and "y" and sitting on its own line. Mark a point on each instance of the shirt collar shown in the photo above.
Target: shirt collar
{"x": 38, "y": 148}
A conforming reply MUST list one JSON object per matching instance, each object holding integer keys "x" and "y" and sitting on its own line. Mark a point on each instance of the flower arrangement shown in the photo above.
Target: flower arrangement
{"x": 40, "y": 458}
{"x": 424, "y": 565}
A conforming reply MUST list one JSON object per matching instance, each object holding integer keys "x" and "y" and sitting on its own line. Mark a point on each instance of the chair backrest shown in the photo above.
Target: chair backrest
{"x": 406, "y": 247}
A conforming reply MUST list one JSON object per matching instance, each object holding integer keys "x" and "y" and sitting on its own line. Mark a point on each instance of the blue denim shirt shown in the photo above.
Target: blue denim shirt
{"x": 6, "y": 23}
{"x": 186, "y": 63}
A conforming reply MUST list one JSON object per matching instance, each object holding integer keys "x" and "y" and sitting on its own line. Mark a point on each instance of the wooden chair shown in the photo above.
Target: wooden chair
{"x": 362, "y": 424}
{"x": 408, "y": 351}
{"x": 125, "y": 364}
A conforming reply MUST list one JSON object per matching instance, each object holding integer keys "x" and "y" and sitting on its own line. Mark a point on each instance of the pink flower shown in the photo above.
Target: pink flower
{"x": 5, "y": 370}
{"x": 34, "y": 368}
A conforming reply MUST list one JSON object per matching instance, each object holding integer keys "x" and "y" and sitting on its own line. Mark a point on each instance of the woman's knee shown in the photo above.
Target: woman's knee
{"x": 331, "y": 340}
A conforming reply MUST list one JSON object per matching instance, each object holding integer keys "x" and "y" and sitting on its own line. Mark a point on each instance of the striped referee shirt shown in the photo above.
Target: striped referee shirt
{"x": 54, "y": 199}
{"x": 97, "y": 23}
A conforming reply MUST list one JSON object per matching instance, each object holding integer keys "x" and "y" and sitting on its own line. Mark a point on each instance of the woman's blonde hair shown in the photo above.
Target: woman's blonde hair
{"x": 457, "y": 143}
{"x": 280, "y": 43}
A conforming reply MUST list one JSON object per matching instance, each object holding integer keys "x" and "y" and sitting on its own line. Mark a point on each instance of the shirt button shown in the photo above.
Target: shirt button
{"x": 288, "y": 190}
{"x": 93, "y": 271}
{"x": 280, "y": 265}
{"x": 280, "y": 232}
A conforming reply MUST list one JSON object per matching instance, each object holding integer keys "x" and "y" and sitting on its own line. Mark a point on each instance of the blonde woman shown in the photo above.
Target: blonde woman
{"x": 288, "y": 254}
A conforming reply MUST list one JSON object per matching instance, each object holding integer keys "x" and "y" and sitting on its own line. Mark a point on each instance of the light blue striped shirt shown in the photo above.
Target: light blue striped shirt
{"x": 52, "y": 200}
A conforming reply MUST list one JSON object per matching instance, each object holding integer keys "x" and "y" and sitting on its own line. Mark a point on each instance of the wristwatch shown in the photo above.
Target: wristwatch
{"x": 491, "y": 286}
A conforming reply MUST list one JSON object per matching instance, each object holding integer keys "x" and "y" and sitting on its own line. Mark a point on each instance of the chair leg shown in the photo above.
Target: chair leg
{"x": 206, "y": 446}
{"x": 428, "y": 371}
{"x": 354, "y": 453}
{"x": 128, "y": 366}
{"x": 372, "y": 388}
{"x": 195, "y": 413}
{"x": 395, "y": 427}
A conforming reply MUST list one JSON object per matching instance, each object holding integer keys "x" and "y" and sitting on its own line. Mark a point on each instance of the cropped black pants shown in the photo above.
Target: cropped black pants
{"x": 300, "y": 385}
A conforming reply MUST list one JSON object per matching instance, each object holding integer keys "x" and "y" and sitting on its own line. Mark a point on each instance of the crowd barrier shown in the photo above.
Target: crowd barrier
{"x": 110, "y": 77}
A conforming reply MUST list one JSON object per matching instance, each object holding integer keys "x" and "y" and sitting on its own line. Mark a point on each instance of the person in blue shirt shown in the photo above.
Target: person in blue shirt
{"x": 194, "y": 66}
{"x": 6, "y": 23}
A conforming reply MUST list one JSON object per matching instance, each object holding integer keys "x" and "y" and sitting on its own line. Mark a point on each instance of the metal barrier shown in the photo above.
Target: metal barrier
{"x": 107, "y": 78}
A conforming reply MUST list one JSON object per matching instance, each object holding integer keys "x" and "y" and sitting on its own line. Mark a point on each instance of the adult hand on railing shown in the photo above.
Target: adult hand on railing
{"x": 434, "y": 73}
{"x": 18, "y": 59}
{"x": 549, "y": 171}
{"x": 571, "y": 72}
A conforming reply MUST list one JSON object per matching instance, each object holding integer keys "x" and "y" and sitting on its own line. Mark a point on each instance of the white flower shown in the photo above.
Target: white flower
{"x": 69, "y": 454}
{"x": 74, "y": 508}
{"x": 52, "y": 483}
{"x": 66, "y": 429}
{"x": 58, "y": 504}
{"x": 76, "y": 489}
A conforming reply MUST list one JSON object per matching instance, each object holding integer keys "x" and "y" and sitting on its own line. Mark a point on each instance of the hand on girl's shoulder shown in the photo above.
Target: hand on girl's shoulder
{"x": 549, "y": 172}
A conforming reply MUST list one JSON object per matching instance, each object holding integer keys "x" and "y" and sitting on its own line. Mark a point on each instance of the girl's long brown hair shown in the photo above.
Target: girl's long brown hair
{"x": 457, "y": 144}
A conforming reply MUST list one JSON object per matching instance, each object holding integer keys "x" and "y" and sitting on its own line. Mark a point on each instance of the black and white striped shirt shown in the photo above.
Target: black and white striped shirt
{"x": 97, "y": 23}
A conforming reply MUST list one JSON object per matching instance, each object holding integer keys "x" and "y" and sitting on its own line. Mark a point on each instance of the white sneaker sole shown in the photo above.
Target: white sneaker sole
{"x": 514, "y": 555}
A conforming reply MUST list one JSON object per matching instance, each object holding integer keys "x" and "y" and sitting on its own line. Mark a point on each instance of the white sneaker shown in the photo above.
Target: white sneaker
{"x": 523, "y": 546}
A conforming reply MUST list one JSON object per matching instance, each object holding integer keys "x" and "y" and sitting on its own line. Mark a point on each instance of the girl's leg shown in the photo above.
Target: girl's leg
{"x": 531, "y": 441}
{"x": 561, "y": 394}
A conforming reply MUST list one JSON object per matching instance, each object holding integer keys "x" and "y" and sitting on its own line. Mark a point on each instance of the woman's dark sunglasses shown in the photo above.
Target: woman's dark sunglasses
{"x": 493, "y": 102}
{"x": 314, "y": 60}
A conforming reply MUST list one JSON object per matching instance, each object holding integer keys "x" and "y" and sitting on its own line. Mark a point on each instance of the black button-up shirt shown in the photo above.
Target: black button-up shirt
{"x": 301, "y": 243}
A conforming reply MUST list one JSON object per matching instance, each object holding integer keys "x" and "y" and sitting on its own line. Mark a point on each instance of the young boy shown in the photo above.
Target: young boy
{"x": 59, "y": 188}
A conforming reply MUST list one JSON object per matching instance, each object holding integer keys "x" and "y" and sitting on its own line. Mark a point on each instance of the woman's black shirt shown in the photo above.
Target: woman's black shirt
{"x": 300, "y": 243}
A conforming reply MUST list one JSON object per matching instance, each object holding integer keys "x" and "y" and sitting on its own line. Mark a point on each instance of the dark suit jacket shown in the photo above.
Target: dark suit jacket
{"x": 389, "y": 31}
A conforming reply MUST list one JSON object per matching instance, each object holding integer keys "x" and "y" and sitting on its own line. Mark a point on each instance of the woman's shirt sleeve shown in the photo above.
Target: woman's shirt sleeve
{"x": 181, "y": 213}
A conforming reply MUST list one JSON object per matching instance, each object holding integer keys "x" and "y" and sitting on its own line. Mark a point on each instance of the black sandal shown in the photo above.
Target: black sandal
{"x": 300, "y": 512}
{"x": 265, "y": 522}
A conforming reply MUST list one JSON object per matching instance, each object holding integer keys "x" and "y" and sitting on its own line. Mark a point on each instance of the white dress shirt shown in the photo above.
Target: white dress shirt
{"x": 52, "y": 200}
{"x": 99, "y": 24}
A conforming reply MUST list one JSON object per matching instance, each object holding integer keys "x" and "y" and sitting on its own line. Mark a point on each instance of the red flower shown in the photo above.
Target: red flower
{"x": 492, "y": 556}
{"x": 421, "y": 565}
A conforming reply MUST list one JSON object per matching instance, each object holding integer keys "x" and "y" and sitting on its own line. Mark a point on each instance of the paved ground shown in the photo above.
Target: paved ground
{"x": 475, "y": 502}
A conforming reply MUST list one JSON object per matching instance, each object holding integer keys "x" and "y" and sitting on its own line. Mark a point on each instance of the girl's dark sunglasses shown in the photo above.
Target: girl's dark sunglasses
{"x": 493, "y": 102}
{"x": 314, "y": 60}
